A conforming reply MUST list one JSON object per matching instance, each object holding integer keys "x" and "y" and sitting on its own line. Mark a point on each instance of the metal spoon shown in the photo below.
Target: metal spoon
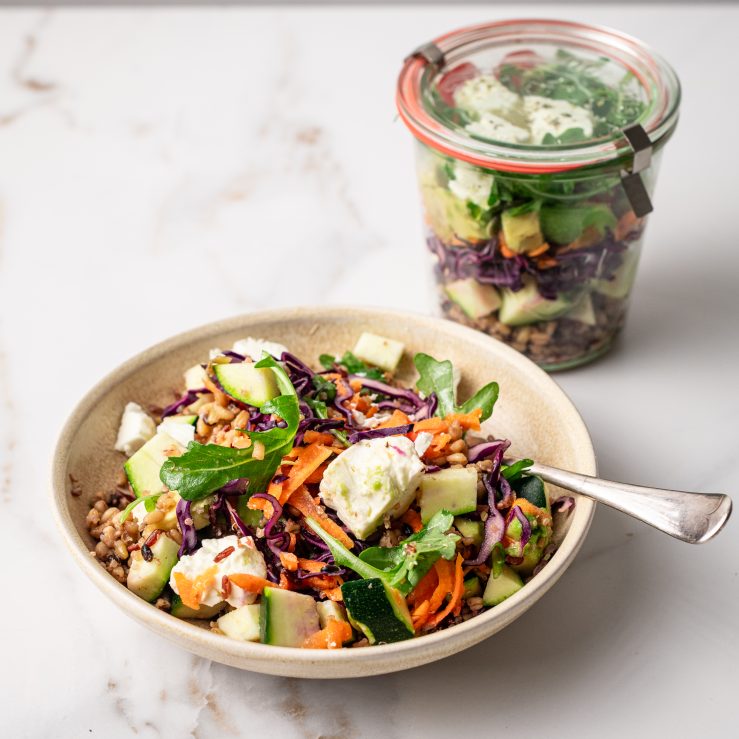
{"x": 691, "y": 517}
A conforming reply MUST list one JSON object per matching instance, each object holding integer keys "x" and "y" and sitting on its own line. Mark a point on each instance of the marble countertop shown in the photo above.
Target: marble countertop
{"x": 160, "y": 169}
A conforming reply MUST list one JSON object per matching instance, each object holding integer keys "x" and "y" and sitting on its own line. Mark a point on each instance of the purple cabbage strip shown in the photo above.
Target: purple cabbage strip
{"x": 484, "y": 450}
{"x": 189, "y": 397}
{"x": 189, "y": 535}
{"x": 300, "y": 374}
{"x": 493, "y": 530}
{"x": 517, "y": 513}
{"x": 236, "y": 520}
{"x": 339, "y": 401}
{"x": 235, "y": 487}
{"x": 235, "y": 357}
{"x": 276, "y": 511}
{"x": 333, "y": 571}
{"x": 379, "y": 433}
{"x": 392, "y": 392}
{"x": 564, "y": 504}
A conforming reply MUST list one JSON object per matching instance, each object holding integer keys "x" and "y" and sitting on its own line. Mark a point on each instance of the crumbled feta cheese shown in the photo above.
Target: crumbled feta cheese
{"x": 422, "y": 442}
{"x": 255, "y": 348}
{"x": 135, "y": 430}
{"x": 555, "y": 117}
{"x": 370, "y": 480}
{"x": 182, "y": 432}
{"x": 195, "y": 377}
{"x": 245, "y": 559}
{"x": 215, "y": 352}
{"x": 486, "y": 94}
{"x": 471, "y": 184}
{"x": 491, "y": 126}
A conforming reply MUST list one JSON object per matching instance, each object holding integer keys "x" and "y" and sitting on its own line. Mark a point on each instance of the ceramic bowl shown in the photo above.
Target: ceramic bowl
{"x": 532, "y": 411}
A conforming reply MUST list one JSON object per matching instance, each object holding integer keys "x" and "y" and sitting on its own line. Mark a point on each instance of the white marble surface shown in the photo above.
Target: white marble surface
{"x": 162, "y": 169}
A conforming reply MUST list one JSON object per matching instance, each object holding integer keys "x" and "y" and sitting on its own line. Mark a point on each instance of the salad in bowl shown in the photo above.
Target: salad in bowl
{"x": 321, "y": 507}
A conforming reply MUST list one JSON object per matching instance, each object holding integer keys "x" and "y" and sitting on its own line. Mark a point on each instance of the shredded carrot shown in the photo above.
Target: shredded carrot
{"x": 412, "y": 519}
{"x": 538, "y": 251}
{"x": 312, "y": 457}
{"x": 397, "y": 419}
{"x": 528, "y": 508}
{"x": 355, "y": 385}
{"x": 332, "y": 636}
{"x": 425, "y": 587}
{"x": 546, "y": 262}
{"x": 433, "y": 425}
{"x": 312, "y": 436}
{"x": 419, "y": 615}
{"x": 220, "y": 397}
{"x": 317, "y": 475}
{"x": 469, "y": 420}
{"x": 456, "y": 594}
{"x": 445, "y": 571}
{"x": 626, "y": 224}
{"x": 334, "y": 594}
{"x": 360, "y": 403}
{"x": 289, "y": 561}
{"x": 191, "y": 591}
{"x": 322, "y": 582}
{"x": 505, "y": 251}
{"x": 251, "y": 583}
{"x": 301, "y": 499}
{"x": 260, "y": 504}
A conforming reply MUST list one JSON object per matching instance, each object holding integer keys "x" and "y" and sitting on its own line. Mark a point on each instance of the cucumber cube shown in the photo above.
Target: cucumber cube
{"x": 504, "y": 586}
{"x": 242, "y": 623}
{"x": 380, "y": 351}
{"x": 453, "y": 490}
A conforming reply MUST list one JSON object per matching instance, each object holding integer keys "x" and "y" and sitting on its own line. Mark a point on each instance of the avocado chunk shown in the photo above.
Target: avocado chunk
{"x": 180, "y": 610}
{"x": 287, "y": 618}
{"x": 380, "y": 351}
{"x": 470, "y": 529}
{"x": 522, "y": 232}
{"x": 242, "y": 623}
{"x": 147, "y": 579}
{"x": 449, "y": 217}
{"x": 377, "y": 610}
{"x": 453, "y": 489}
{"x": 474, "y": 298}
{"x": 142, "y": 469}
{"x": 528, "y": 306}
{"x": 247, "y": 383}
{"x": 504, "y": 586}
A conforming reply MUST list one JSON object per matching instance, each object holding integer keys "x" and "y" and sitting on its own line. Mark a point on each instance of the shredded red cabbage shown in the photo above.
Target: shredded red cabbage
{"x": 391, "y": 392}
{"x": 237, "y": 521}
{"x": 276, "y": 511}
{"x": 189, "y": 535}
{"x": 379, "y": 433}
{"x": 189, "y": 397}
{"x": 564, "y": 504}
{"x": 517, "y": 513}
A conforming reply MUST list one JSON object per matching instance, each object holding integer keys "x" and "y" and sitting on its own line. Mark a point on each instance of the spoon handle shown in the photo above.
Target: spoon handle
{"x": 691, "y": 517}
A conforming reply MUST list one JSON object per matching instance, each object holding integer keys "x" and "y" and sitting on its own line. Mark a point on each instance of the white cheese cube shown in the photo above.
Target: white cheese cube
{"x": 487, "y": 94}
{"x": 492, "y": 126}
{"x": 182, "y": 432}
{"x": 555, "y": 117}
{"x": 471, "y": 184}
{"x": 135, "y": 430}
{"x": 245, "y": 559}
{"x": 255, "y": 348}
{"x": 372, "y": 479}
{"x": 195, "y": 378}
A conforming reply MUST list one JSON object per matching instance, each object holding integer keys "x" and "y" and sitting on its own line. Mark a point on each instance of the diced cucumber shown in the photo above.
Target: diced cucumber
{"x": 470, "y": 529}
{"x": 449, "y": 216}
{"x": 287, "y": 618}
{"x": 527, "y": 305}
{"x": 242, "y": 623}
{"x": 191, "y": 419}
{"x": 474, "y": 298}
{"x": 472, "y": 587}
{"x": 532, "y": 488}
{"x": 143, "y": 467}
{"x": 378, "y": 611}
{"x": 147, "y": 579}
{"x": 532, "y": 554}
{"x": 329, "y": 609}
{"x": 380, "y": 351}
{"x": 522, "y": 232}
{"x": 199, "y": 511}
{"x": 504, "y": 586}
{"x": 452, "y": 489}
{"x": 619, "y": 286}
{"x": 247, "y": 383}
{"x": 180, "y": 610}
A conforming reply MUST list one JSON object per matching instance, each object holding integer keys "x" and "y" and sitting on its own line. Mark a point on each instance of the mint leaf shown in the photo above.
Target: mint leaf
{"x": 400, "y": 567}
{"x": 204, "y": 468}
{"x": 438, "y": 377}
{"x": 516, "y": 470}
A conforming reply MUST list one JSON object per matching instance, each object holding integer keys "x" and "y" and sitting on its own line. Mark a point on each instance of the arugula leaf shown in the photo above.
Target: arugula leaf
{"x": 203, "y": 469}
{"x": 352, "y": 364}
{"x": 325, "y": 389}
{"x": 514, "y": 471}
{"x": 564, "y": 224}
{"x": 438, "y": 377}
{"x": 400, "y": 567}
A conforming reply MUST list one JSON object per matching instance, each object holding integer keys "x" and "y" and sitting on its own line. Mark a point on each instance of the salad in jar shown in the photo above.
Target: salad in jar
{"x": 527, "y": 183}
{"x": 321, "y": 508}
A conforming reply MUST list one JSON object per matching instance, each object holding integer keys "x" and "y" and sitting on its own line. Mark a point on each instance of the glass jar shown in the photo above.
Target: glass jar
{"x": 537, "y": 149}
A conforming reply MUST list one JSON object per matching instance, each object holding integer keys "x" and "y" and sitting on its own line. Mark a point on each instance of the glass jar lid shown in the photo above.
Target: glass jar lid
{"x": 537, "y": 96}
